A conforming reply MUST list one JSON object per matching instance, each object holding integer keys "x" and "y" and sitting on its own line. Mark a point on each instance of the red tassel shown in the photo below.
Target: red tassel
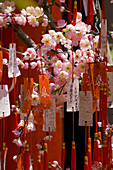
{"x": 109, "y": 147}
{"x": 100, "y": 148}
{"x": 105, "y": 108}
{"x": 89, "y": 155}
{"x": 95, "y": 149}
{"x": 39, "y": 162}
{"x": 3, "y": 156}
{"x": 63, "y": 155}
{"x": 49, "y": 165}
{"x": 73, "y": 156}
{"x": 27, "y": 158}
{"x": 86, "y": 167}
{"x": 74, "y": 12}
{"x": 90, "y": 14}
{"x": 105, "y": 153}
{"x": 15, "y": 118}
{"x": 70, "y": 9}
{"x": 45, "y": 157}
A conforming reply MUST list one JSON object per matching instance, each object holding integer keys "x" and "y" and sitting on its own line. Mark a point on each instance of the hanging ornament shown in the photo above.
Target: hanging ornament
{"x": 28, "y": 88}
{"x": 98, "y": 75}
{"x": 72, "y": 94}
{"x": 104, "y": 38}
{"x": 85, "y": 108}
{"x": 109, "y": 147}
{"x": 110, "y": 85}
{"x": 45, "y": 100}
{"x": 12, "y": 66}
{"x": 4, "y": 101}
{"x": 50, "y": 119}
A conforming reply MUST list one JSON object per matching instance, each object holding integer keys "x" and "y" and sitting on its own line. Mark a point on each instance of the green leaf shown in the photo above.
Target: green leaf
{"x": 35, "y": 85}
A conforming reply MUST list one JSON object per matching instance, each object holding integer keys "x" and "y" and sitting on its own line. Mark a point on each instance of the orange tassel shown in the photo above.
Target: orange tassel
{"x": 39, "y": 162}
{"x": 19, "y": 162}
{"x": 63, "y": 155}
{"x": 86, "y": 167}
{"x": 74, "y": 12}
{"x": 45, "y": 157}
{"x": 73, "y": 156}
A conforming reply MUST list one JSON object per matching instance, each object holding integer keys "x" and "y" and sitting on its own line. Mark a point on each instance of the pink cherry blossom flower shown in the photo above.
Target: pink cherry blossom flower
{"x": 4, "y": 61}
{"x": 35, "y": 100}
{"x": 52, "y": 32}
{"x": 20, "y": 19}
{"x": 31, "y": 126}
{"x": 38, "y": 12}
{"x": 67, "y": 67}
{"x": 62, "y": 8}
{"x": 47, "y": 40}
{"x": 25, "y": 66}
{"x": 45, "y": 22}
{"x": 7, "y": 5}
{"x": 17, "y": 142}
{"x": 62, "y": 1}
{"x": 61, "y": 23}
{"x": 79, "y": 17}
{"x": 32, "y": 21}
{"x": 30, "y": 11}
{"x": 33, "y": 65}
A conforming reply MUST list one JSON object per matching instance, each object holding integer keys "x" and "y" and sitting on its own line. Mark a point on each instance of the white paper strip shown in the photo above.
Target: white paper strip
{"x": 85, "y": 108}
{"x": 12, "y": 66}
{"x": 4, "y": 101}
{"x": 110, "y": 86}
{"x": 72, "y": 95}
{"x": 103, "y": 37}
{"x": 50, "y": 117}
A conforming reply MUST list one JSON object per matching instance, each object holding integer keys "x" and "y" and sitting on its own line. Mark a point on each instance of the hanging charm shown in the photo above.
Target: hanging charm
{"x": 45, "y": 99}
{"x": 104, "y": 38}
{"x": 4, "y": 101}
{"x": 98, "y": 75}
{"x": 50, "y": 118}
{"x": 72, "y": 95}
{"x": 12, "y": 66}
{"x": 85, "y": 108}
{"x": 28, "y": 88}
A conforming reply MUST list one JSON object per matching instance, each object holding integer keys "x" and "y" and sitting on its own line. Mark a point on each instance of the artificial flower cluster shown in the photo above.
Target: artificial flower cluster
{"x": 34, "y": 16}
